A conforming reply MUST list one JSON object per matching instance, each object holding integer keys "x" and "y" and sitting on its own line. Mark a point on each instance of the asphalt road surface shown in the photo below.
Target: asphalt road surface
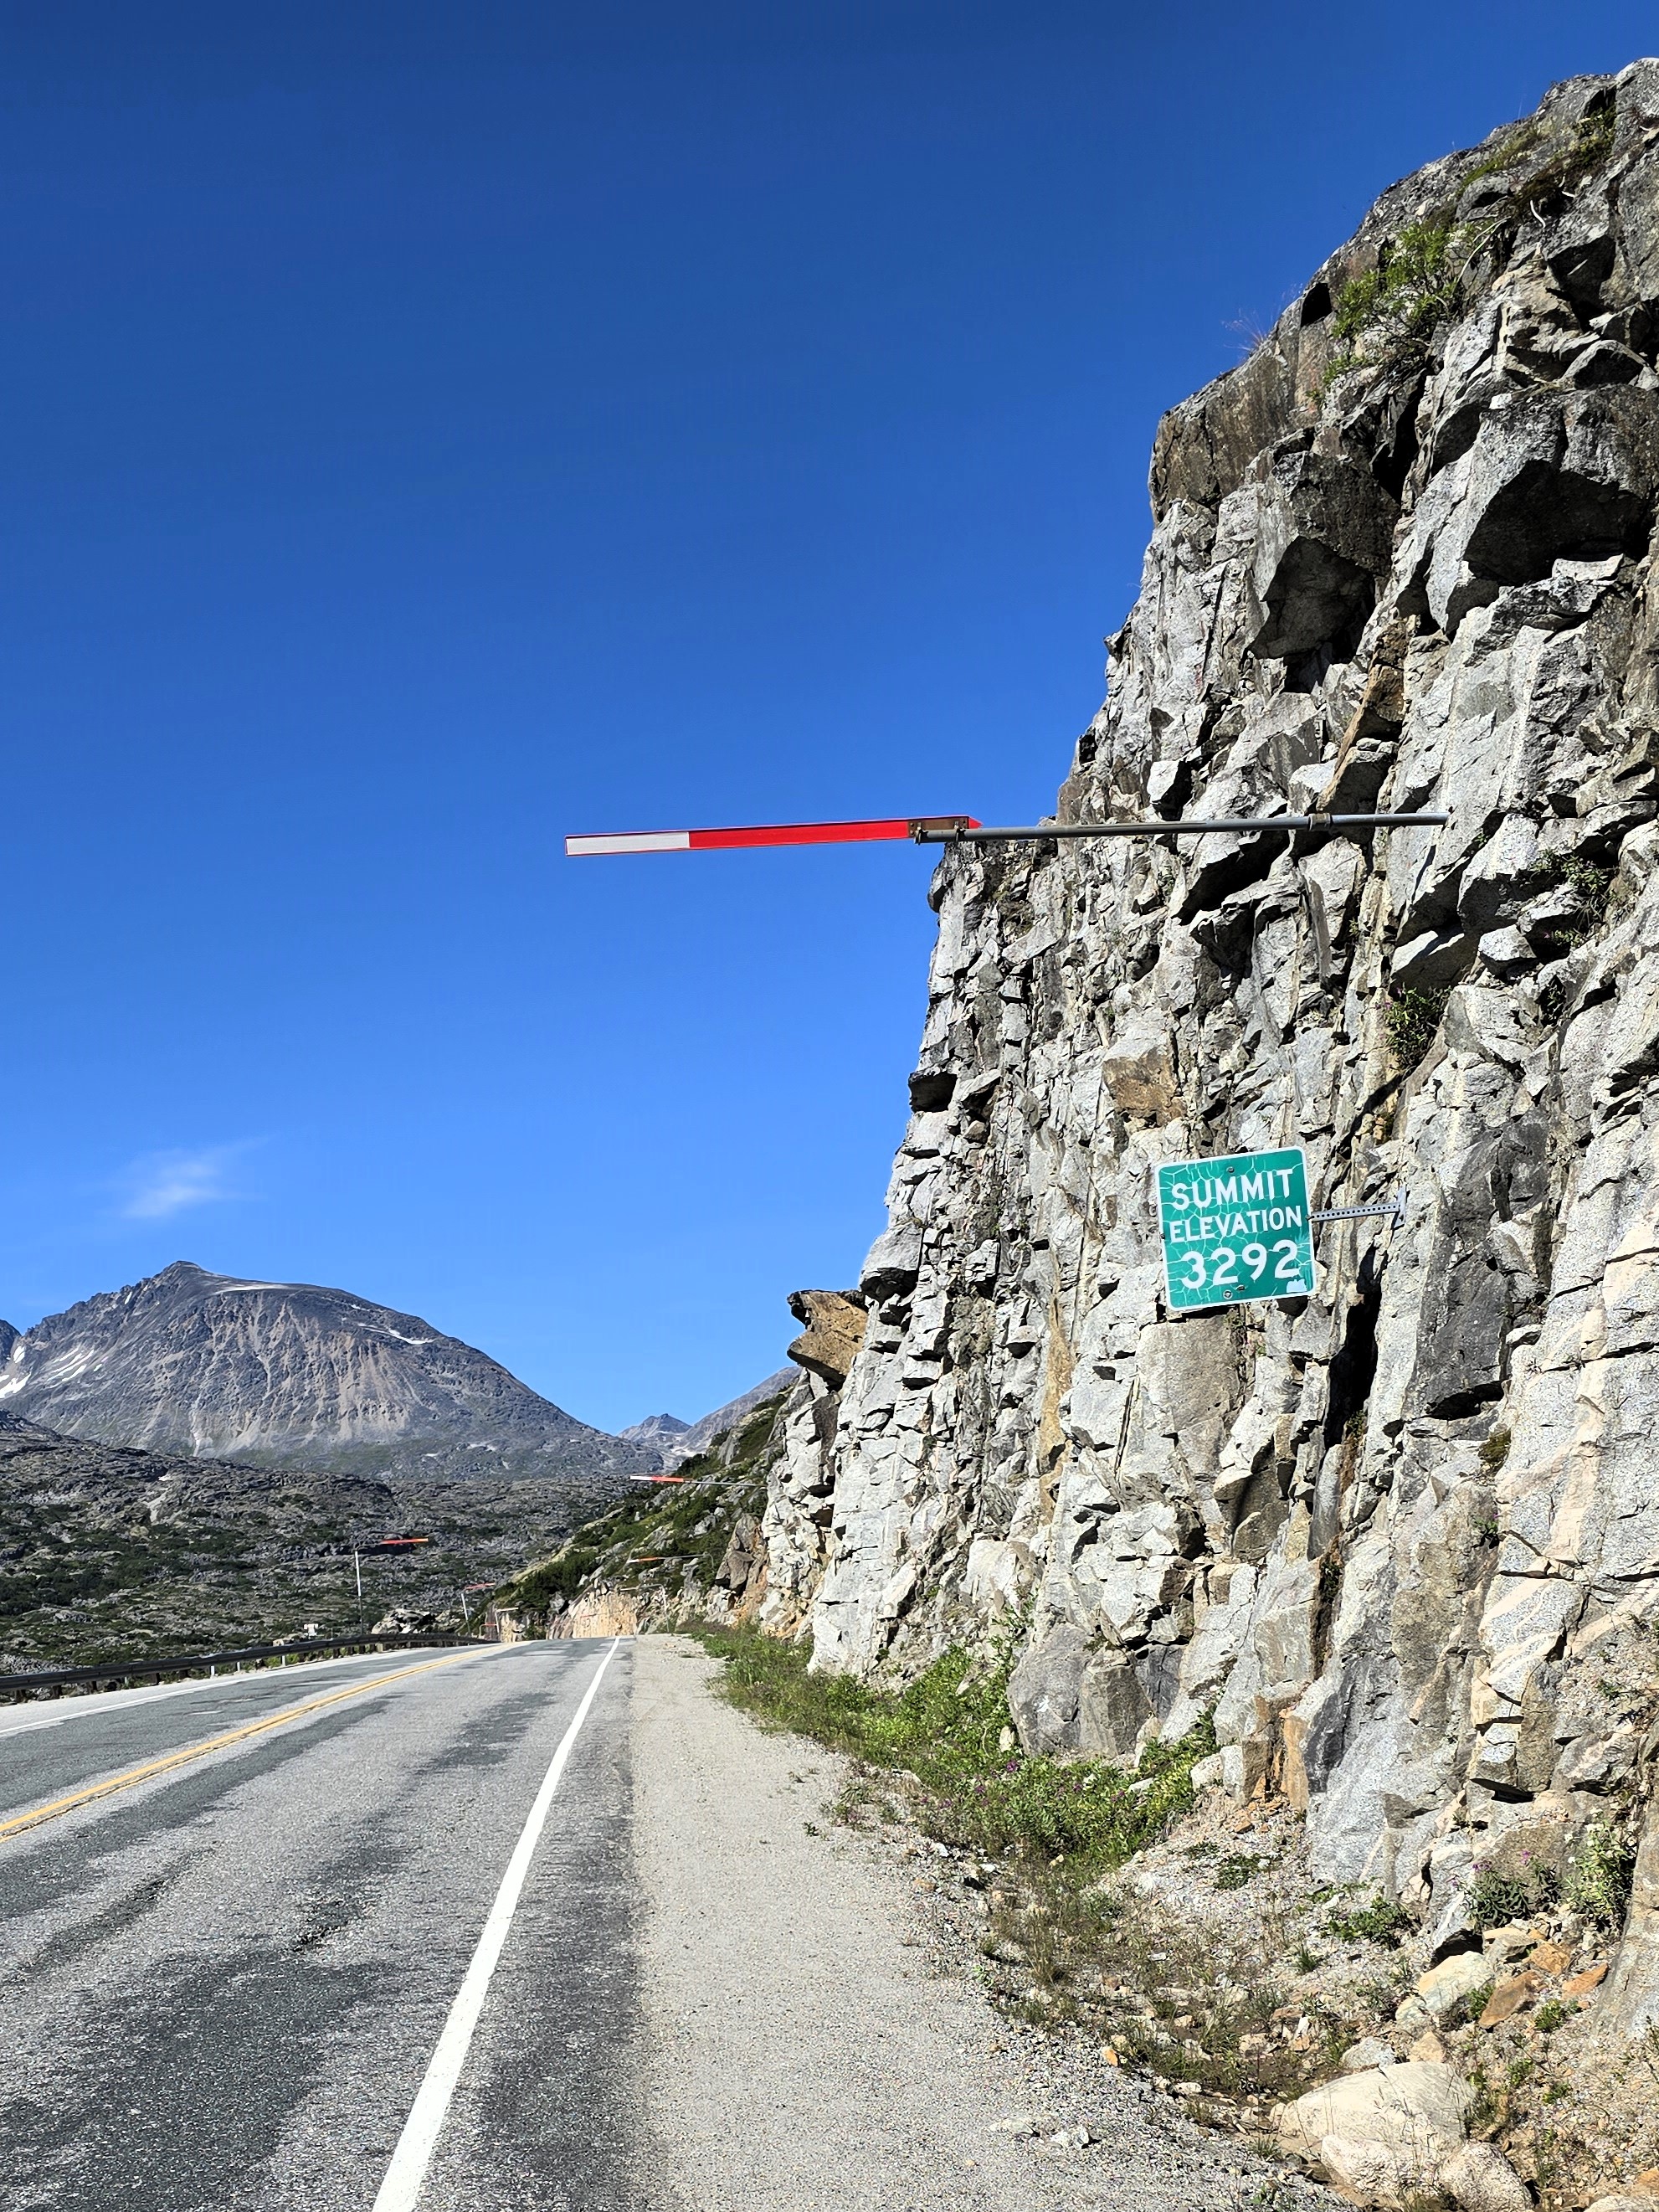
{"x": 221, "y": 1986}
{"x": 545, "y": 1928}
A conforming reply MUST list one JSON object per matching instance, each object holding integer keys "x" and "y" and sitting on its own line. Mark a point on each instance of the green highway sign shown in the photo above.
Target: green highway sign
{"x": 1236, "y": 1230}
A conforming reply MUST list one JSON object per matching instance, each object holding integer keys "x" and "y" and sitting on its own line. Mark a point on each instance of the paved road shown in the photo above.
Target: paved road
{"x": 364, "y": 1959}
{"x": 221, "y": 1988}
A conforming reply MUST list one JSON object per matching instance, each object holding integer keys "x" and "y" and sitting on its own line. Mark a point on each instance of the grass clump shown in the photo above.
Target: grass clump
{"x": 1600, "y": 1874}
{"x": 1568, "y": 166}
{"x": 1466, "y": 2011}
{"x": 1590, "y": 880}
{"x": 1582, "y": 154}
{"x": 947, "y": 1732}
{"x": 1381, "y": 1921}
{"x": 1412, "y": 1019}
{"x": 1496, "y": 1898}
{"x": 1240, "y": 1867}
{"x": 1591, "y": 885}
{"x": 1505, "y": 155}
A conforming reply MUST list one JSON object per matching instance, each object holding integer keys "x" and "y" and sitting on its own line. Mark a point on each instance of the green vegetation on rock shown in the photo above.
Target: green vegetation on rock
{"x": 1496, "y": 1899}
{"x": 665, "y": 1544}
{"x": 949, "y": 1733}
{"x": 1413, "y": 1021}
{"x": 1381, "y": 1922}
{"x": 1600, "y": 1874}
{"x": 1388, "y": 314}
{"x": 1389, "y": 311}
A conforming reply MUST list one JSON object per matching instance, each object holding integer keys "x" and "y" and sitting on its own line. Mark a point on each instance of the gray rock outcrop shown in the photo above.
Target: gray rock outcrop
{"x": 1395, "y": 1532}
{"x": 1384, "y": 2136}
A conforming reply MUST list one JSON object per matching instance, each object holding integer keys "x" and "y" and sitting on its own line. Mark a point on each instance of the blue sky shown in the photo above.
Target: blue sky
{"x": 429, "y": 429}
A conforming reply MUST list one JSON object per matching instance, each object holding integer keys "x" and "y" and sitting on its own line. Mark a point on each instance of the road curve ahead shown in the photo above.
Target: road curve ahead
{"x": 223, "y": 1984}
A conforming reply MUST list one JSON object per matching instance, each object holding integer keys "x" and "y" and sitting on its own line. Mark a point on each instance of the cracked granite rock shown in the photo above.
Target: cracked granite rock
{"x": 1385, "y": 1531}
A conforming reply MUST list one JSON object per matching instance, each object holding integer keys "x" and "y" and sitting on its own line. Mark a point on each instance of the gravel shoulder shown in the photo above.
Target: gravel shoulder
{"x": 811, "y": 2043}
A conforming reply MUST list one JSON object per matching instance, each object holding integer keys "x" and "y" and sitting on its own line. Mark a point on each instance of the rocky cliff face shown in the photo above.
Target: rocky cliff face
{"x": 1402, "y": 1535}
{"x": 291, "y": 1375}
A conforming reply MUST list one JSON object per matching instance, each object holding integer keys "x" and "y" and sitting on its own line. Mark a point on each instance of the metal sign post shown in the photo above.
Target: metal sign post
{"x": 963, "y": 830}
{"x": 1314, "y": 825}
{"x": 1236, "y": 1231}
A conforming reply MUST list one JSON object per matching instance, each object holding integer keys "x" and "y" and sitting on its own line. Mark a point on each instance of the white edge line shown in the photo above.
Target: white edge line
{"x": 401, "y": 2190}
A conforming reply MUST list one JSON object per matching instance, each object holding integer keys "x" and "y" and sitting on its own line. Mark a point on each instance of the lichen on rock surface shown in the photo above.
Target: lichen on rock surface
{"x": 1388, "y": 1532}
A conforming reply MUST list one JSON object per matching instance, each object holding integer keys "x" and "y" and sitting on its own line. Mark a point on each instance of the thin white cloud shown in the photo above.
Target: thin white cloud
{"x": 161, "y": 1184}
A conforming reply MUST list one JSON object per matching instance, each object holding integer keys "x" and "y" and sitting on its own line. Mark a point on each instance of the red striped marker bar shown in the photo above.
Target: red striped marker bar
{"x": 915, "y": 827}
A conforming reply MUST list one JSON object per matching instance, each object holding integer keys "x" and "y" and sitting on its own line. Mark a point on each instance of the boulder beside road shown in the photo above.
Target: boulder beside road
{"x": 1387, "y": 2136}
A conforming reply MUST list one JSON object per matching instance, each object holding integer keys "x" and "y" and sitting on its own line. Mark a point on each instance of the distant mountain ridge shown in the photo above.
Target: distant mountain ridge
{"x": 676, "y": 1441}
{"x": 291, "y": 1375}
{"x": 657, "y": 1429}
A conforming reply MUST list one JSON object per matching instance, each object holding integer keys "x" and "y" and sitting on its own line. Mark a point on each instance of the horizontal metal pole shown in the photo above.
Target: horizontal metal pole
{"x": 1397, "y": 1207}
{"x": 1318, "y": 825}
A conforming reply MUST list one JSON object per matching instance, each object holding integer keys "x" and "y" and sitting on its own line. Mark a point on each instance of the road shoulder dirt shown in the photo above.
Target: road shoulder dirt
{"x": 808, "y": 2049}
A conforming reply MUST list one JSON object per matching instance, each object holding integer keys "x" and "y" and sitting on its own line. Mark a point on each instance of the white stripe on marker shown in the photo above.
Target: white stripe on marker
{"x": 632, "y": 841}
{"x": 401, "y": 2190}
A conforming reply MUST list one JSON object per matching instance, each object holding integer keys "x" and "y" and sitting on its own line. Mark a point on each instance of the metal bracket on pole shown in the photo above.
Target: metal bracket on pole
{"x": 1314, "y": 825}
{"x": 1395, "y": 1207}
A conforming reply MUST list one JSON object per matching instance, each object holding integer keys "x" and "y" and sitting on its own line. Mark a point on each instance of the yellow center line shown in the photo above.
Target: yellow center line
{"x": 155, "y": 1767}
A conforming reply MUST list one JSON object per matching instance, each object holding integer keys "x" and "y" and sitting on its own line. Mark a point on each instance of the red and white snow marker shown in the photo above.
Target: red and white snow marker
{"x": 773, "y": 833}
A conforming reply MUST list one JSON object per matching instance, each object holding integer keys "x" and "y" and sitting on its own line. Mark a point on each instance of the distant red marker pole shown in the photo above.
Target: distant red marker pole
{"x": 774, "y": 832}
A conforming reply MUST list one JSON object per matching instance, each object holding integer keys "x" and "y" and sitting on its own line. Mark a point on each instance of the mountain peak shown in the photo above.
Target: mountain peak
{"x": 656, "y": 1425}
{"x": 677, "y": 1441}
{"x": 290, "y": 1374}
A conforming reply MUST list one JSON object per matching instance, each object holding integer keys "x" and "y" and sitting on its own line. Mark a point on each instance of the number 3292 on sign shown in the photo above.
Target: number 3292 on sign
{"x": 1236, "y": 1230}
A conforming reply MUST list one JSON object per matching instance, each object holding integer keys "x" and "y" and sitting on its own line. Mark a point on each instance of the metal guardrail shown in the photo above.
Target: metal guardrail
{"x": 14, "y": 1687}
